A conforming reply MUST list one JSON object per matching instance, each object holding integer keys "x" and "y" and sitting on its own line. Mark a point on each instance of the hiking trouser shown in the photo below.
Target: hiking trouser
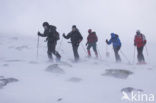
{"x": 51, "y": 50}
{"x": 117, "y": 56}
{"x": 75, "y": 51}
{"x": 92, "y": 45}
{"x": 140, "y": 55}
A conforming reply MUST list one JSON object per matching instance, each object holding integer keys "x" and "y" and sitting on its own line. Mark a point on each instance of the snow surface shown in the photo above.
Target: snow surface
{"x": 89, "y": 81}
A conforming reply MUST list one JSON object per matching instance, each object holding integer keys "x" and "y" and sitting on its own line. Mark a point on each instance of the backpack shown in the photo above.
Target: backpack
{"x": 140, "y": 40}
{"x": 92, "y": 38}
{"x": 56, "y": 35}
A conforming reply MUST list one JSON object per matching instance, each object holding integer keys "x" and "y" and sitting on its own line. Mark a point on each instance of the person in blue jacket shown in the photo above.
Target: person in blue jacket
{"x": 116, "y": 45}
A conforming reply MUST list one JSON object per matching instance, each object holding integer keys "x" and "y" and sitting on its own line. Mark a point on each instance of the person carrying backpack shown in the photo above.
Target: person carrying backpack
{"x": 116, "y": 45}
{"x": 52, "y": 38}
{"x": 140, "y": 42}
{"x": 91, "y": 42}
{"x": 75, "y": 37}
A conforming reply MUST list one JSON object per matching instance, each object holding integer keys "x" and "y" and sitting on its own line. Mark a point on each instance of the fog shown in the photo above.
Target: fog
{"x": 123, "y": 17}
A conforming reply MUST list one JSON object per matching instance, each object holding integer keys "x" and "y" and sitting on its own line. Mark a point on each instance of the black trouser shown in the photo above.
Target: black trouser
{"x": 117, "y": 56}
{"x": 140, "y": 54}
{"x": 51, "y": 50}
{"x": 75, "y": 51}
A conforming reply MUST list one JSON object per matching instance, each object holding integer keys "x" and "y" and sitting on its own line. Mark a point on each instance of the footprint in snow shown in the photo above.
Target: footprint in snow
{"x": 59, "y": 99}
{"x": 54, "y": 68}
{"x": 65, "y": 64}
{"x": 14, "y": 38}
{"x": 14, "y": 60}
{"x": 75, "y": 79}
{"x": 117, "y": 73}
{"x": 5, "y": 65}
{"x": 22, "y": 47}
{"x": 33, "y": 62}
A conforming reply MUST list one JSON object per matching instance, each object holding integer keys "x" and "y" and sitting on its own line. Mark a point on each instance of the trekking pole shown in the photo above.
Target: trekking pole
{"x": 37, "y": 46}
{"x": 99, "y": 52}
{"x": 107, "y": 53}
{"x": 134, "y": 56}
{"x": 83, "y": 48}
{"x": 146, "y": 50}
{"x": 60, "y": 44}
{"x": 125, "y": 57}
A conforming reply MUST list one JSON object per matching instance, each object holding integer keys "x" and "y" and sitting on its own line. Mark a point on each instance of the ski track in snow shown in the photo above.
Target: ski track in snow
{"x": 89, "y": 81}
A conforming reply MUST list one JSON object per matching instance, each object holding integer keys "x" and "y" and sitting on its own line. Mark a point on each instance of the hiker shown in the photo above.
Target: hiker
{"x": 139, "y": 42}
{"x": 116, "y": 45}
{"x": 52, "y": 38}
{"x": 91, "y": 42}
{"x": 75, "y": 37}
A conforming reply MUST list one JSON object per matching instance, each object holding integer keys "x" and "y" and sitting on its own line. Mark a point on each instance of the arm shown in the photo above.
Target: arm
{"x": 88, "y": 39}
{"x": 109, "y": 42}
{"x": 42, "y": 35}
{"x": 135, "y": 41}
{"x": 144, "y": 39}
{"x": 96, "y": 38}
{"x": 67, "y": 36}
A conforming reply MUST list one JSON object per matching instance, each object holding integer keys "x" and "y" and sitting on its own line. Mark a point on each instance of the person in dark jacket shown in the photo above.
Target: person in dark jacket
{"x": 140, "y": 42}
{"x": 91, "y": 42}
{"x": 75, "y": 37}
{"x": 52, "y": 37}
{"x": 116, "y": 45}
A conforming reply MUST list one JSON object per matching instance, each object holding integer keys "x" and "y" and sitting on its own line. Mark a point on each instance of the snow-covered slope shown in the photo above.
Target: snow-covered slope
{"x": 27, "y": 79}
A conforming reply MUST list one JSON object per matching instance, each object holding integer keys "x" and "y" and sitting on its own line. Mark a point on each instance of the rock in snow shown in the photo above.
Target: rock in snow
{"x": 5, "y": 81}
{"x": 54, "y": 68}
{"x": 117, "y": 73}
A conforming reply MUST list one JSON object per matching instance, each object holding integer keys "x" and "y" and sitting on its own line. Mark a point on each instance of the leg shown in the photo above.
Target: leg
{"x": 75, "y": 51}
{"x": 119, "y": 59}
{"x": 139, "y": 56}
{"x": 88, "y": 49}
{"x": 117, "y": 56}
{"x": 58, "y": 56}
{"x": 49, "y": 52}
{"x": 95, "y": 49}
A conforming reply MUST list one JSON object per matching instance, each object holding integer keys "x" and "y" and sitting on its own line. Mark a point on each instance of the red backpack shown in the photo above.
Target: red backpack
{"x": 92, "y": 38}
{"x": 140, "y": 40}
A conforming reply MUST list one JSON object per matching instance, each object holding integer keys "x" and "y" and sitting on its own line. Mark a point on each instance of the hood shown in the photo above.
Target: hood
{"x": 113, "y": 35}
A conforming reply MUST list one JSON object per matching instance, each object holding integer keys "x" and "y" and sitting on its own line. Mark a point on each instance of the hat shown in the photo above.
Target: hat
{"x": 74, "y": 26}
{"x": 138, "y": 31}
{"x": 89, "y": 30}
{"x": 45, "y": 24}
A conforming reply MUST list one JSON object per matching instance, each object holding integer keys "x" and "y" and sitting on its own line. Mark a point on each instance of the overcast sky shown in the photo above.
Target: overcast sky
{"x": 104, "y": 16}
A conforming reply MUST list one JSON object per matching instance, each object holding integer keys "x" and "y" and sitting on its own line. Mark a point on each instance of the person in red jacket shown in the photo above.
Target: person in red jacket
{"x": 139, "y": 42}
{"x": 91, "y": 42}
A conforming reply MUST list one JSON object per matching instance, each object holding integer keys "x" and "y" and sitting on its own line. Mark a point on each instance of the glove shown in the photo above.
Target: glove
{"x": 63, "y": 34}
{"x": 106, "y": 41}
{"x": 38, "y": 33}
{"x": 86, "y": 44}
{"x": 134, "y": 44}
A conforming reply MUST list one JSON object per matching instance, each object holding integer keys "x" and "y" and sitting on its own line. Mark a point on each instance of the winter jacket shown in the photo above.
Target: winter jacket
{"x": 92, "y": 38}
{"x": 139, "y": 40}
{"x": 51, "y": 34}
{"x": 74, "y": 36}
{"x": 115, "y": 40}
